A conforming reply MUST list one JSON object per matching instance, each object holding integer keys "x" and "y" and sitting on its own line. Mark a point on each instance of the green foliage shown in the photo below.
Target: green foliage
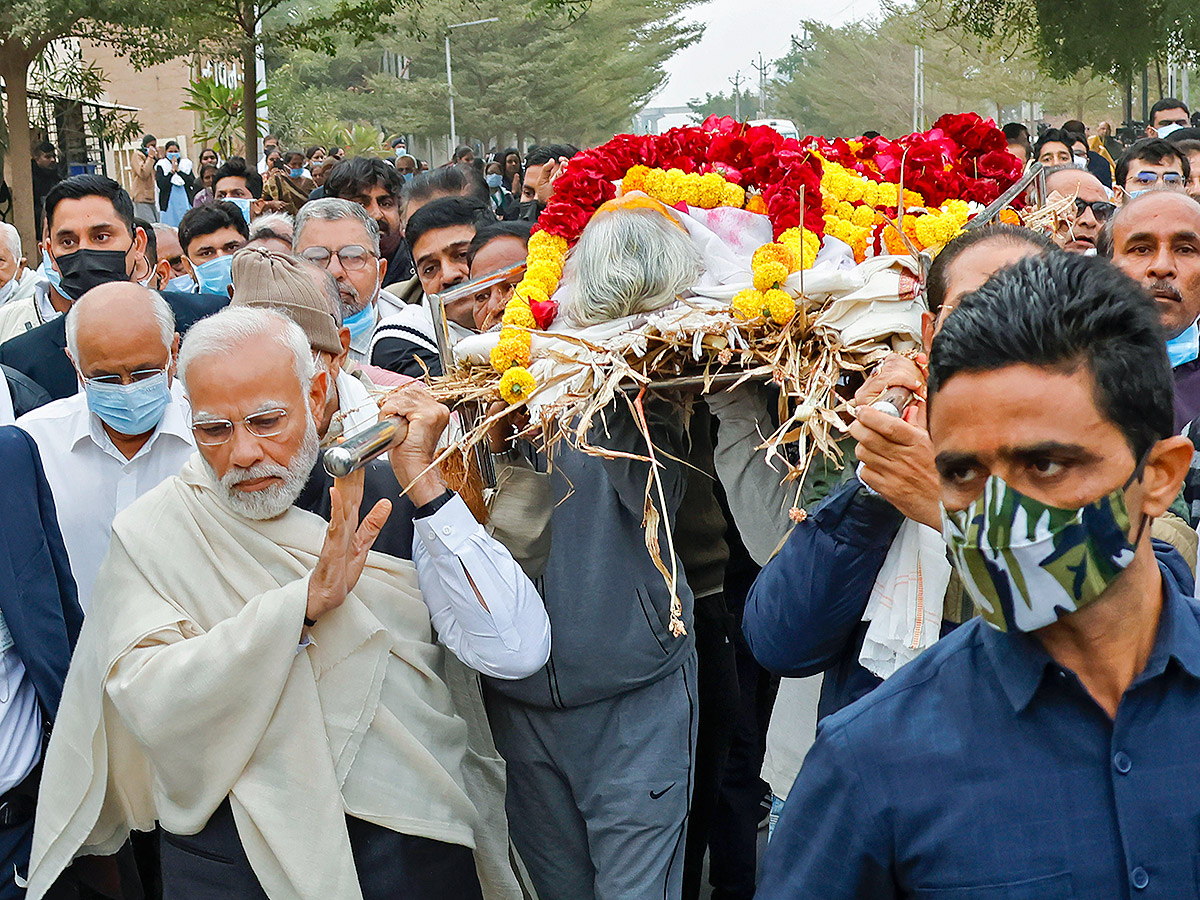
{"x": 220, "y": 111}
{"x": 722, "y": 104}
{"x": 1116, "y": 39}
{"x": 577, "y": 73}
{"x": 858, "y": 77}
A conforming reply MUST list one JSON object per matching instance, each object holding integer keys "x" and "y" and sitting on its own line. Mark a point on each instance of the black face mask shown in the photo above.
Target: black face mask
{"x": 529, "y": 210}
{"x": 85, "y": 269}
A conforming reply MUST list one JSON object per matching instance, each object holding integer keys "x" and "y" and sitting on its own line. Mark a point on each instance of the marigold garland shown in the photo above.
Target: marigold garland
{"x": 516, "y": 384}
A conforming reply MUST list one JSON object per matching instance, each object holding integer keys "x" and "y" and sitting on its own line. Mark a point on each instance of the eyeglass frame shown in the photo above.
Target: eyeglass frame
{"x": 1173, "y": 178}
{"x": 245, "y": 422}
{"x": 367, "y": 254}
{"x": 134, "y": 377}
{"x": 1081, "y": 205}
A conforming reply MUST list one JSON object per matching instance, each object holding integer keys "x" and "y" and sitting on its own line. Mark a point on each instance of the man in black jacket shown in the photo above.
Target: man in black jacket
{"x": 91, "y": 240}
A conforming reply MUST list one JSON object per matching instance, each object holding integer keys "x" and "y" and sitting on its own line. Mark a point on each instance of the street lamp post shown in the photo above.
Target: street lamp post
{"x": 450, "y": 78}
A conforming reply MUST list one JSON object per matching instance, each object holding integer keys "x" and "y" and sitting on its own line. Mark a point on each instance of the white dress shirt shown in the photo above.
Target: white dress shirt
{"x": 91, "y": 479}
{"x": 508, "y": 639}
{"x": 20, "y": 716}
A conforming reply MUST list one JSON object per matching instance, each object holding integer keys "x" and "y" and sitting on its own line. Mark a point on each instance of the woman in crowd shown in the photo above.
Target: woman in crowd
{"x": 205, "y": 194}
{"x": 513, "y": 171}
{"x": 209, "y": 157}
{"x": 176, "y": 185}
{"x": 288, "y": 182}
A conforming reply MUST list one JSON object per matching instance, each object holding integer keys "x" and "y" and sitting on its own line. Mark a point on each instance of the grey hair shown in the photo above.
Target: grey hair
{"x": 279, "y": 224}
{"x": 225, "y": 331}
{"x": 628, "y": 261}
{"x": 12, "y": 237}
{"x": 163, "y": 314}
{"x": 334, "y": 209}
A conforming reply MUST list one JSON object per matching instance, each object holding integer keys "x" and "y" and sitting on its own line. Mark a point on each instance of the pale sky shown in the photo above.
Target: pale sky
{"x": 738, "y": 30}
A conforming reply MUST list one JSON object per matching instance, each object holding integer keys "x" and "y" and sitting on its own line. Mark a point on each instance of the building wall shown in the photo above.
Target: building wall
{"x": 157, "y": 92}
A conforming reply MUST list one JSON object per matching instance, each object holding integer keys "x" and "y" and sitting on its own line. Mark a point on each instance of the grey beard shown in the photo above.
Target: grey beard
{"x": 272, "y": 502}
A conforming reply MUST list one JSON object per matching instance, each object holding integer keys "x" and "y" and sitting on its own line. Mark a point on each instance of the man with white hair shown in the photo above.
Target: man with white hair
{"x": 17, "y": 285}
{"x": 125, "y": 431}
{"x": 266, "y": 688}
{"x": 341, "y": 237}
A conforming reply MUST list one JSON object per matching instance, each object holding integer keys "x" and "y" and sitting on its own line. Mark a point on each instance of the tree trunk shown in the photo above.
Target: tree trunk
{"x": 250, "y": 87}
{"x": 14, "y": 67}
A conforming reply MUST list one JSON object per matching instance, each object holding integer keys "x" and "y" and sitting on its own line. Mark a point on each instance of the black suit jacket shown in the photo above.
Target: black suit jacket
{"x": 40, "y": 353}
{"x": 37, "y": 592}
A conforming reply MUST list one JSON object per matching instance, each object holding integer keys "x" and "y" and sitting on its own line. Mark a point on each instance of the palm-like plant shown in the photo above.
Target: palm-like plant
{"x": 220, "y": 110}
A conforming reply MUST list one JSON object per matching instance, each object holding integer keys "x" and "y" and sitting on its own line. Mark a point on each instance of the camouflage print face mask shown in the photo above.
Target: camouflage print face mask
{"x": 1026, "y": 564}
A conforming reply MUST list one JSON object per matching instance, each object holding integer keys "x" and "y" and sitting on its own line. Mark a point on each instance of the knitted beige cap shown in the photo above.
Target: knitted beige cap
{"x": 265, "y": 278}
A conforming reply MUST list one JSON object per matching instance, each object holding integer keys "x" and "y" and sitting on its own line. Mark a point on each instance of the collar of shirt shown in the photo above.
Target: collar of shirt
{"x": 1021, "y": 662}
{"x": 41, "y": 303}
{"x": 174, "y": 423}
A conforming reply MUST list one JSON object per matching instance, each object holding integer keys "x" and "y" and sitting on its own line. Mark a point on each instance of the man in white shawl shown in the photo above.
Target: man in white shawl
{"x": 266, "y": 687}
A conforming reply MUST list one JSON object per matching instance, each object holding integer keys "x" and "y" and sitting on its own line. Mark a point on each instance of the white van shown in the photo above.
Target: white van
{"x": 785, "y": 127}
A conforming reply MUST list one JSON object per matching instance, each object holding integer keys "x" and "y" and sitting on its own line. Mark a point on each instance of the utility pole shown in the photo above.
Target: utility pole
{"x": 736, "y": 81}
{"x": 762, "y": 86}
{"x": 918, "y": 115}
{"x": 450, "y": 78}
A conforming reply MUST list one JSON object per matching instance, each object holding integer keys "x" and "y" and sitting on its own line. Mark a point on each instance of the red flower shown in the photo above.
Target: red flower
{"x": 543, "y": 312}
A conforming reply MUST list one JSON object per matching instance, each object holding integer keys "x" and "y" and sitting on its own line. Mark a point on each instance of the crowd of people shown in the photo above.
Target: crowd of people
{"x": 229, "y": 674}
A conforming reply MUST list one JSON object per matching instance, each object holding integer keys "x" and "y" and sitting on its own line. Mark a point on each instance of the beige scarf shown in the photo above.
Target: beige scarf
{"x": 187, "y": 688}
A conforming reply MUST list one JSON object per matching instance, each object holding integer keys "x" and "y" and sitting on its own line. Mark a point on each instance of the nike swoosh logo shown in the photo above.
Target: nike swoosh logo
{"x": 654, "y": 795}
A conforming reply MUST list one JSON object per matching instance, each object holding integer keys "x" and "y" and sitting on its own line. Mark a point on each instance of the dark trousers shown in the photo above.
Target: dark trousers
{"x": 717, "y": 696}
{"x": 733, "y": 846}
{"x": 211, "y": 865}
{"x": 15, "y": 844}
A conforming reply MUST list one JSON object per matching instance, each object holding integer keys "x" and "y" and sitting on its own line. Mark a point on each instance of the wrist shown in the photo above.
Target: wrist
{"x": 428, "y": 487}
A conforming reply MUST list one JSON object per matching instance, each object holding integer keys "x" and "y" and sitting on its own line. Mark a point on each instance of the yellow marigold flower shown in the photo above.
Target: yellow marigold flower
{"x": 518, "y": 313}
{"x": 912, "y": 199}
{"x": 768, "y": 274}
{"x": 845, "y": 211}
{"x": 828, "y": 204}
{"x": 655, "y": 182}
{"x": 672, "y": 189}
{"x": 757, "y": 204}
{"x": 748, "y": 304}
{"x": 511, "y": 350}
{"x": 804, "y": 246}
{"x": 864, "y": 216}
{"x": 856, "y": 189}
{"x": 690, "y": 194}
{"x": 542, "y": 275}
{"x": 635, "y": 179}
{"x": 734, "y": 195}
{"x": 778, "y": 252}
{"x": 516, "y": 384}
{"x": 531, "y": 292}
{"x": 779, "y": 306}
{"x": 543, "y": 242}
{"x": 712, "y": 189}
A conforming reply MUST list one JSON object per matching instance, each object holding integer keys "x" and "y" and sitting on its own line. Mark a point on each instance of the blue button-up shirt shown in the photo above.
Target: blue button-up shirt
{"x": 985, "y": 771}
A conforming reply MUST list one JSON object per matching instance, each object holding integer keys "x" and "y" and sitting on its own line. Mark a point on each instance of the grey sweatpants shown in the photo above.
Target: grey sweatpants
{"x": 598, "y": 795}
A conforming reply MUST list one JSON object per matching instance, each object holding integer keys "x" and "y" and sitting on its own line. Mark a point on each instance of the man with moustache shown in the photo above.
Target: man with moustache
{"x": 375, "y": 185}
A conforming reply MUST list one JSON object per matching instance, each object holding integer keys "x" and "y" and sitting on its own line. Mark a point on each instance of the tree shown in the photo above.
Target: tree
{"x": 739, "y": 104}
{"x": 27, "y": 28}
{"x": 1114, "y": 39}
{"x": 962, "y": 72}
{"x": 577, "y": 75}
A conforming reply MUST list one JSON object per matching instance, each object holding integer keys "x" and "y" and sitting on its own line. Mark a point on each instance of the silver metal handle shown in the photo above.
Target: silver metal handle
{"x": 356, "y": 452}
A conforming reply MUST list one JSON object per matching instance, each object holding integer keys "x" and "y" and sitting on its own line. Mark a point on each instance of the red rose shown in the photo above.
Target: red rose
{"x": 543, "y": 312}
{"x": 999, "y": 165}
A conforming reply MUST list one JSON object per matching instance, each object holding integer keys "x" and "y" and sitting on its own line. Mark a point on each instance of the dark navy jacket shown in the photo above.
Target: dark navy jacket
{"x": 37, "y": 592}
{"x": 40, "y": 353}
{"x": 804, "y": 613}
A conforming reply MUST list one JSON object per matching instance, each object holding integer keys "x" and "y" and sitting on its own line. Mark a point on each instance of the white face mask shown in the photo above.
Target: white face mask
{"x": 9, "y": 289}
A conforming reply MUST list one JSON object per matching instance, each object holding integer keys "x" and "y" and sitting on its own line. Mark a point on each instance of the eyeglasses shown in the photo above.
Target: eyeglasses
{"x": 1101, "y": 209}
{"x": 353, "y": 258}
{"x": 1147, "y": 177}
{"x": 268, "y": 423}
{"x": 134, "y": 377}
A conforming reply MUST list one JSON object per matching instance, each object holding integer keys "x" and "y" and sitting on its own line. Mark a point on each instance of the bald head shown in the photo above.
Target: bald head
{"x": 119, "y": 328}
{"x": 1155, "y": 239}
{"x": 1078, "y": 228}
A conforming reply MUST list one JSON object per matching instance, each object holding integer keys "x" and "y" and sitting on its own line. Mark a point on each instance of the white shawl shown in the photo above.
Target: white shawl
{"x": 187, "y": 687}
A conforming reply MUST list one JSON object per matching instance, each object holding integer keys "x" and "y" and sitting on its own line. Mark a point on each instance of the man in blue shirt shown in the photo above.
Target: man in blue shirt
{"x": 1047, "y": 749}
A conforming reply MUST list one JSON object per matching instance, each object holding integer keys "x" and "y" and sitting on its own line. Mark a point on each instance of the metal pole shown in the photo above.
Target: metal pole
{"x": 450, "y": 87}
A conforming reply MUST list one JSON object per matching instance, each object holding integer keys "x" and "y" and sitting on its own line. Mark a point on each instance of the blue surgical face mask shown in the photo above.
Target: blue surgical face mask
{"x": 130, "y": 408}
{"x": 172, "y": 155}
{"x": 243, "y": 205}
{"x": 1185, "y": 347}
{"x": 361, "y": 322}
{"x": 409, "y": 176}
{"x": 495, "y": 180}
{"x": 182, "y": 283}
{"x": 52, "y": 275}
{"x": 296, "y": 173}
{"x": 216, "y": 275}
